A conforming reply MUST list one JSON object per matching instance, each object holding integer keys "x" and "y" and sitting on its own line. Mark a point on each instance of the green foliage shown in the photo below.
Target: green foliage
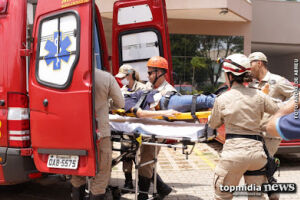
{"x": 198, "y": 62}
{"x": 183, "y": 47}
{"x": 194, "y": 58}
{"x": 183, "y": 44}
{"x": 209, "y": 88}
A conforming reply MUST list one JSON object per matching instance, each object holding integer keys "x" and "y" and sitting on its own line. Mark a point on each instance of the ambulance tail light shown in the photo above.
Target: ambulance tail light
{"x": 18, "y": 120}
{"x": 3, "y": 6}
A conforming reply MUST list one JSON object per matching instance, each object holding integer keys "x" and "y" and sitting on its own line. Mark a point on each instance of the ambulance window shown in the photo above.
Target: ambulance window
{"x": 58, "y": 49}
{"x": 134, "y": 14}
{"x": 137, "y": 47}
{"x": 97, "y": 50}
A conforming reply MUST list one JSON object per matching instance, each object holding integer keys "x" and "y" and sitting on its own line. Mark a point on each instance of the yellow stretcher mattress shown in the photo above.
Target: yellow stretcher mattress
{"x": 181, "y": 116}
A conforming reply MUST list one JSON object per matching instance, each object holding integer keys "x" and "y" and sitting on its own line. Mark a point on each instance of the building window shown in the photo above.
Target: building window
{"x": 194, "y": 59}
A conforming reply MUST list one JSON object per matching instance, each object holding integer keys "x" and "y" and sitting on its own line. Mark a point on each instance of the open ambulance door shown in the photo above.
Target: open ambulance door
{"x": 61, "y": 88}
{"x": 140, "y": 31}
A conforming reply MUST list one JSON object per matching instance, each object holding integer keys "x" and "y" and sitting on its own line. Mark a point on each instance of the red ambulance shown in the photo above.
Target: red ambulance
{"x": 48, "y": 53}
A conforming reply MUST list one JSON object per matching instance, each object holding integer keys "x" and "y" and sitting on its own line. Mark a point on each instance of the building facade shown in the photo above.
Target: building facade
{"x": 269, "y": 26}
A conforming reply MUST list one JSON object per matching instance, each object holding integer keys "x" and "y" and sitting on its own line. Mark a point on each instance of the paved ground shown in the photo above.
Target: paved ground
{"x": 190, "y": 179}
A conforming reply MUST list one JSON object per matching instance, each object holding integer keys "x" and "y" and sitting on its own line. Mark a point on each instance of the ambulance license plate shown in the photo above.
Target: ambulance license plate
{"x": 63, "y": 161}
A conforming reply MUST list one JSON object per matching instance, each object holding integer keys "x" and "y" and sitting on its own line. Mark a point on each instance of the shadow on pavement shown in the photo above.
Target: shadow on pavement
{"x": 288, "y": 161}
{"x": 47, "y": 188}
{"x": 53, "y": 187}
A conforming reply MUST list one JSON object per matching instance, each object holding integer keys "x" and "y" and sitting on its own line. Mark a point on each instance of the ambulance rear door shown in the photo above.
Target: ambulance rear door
{"x": 140, "y": 31}
{"x": 61, "y": 88}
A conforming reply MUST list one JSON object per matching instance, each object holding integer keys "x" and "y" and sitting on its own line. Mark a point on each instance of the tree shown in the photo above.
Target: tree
{"x": 199, "y": 69}
{"x": 183, "y": 48}
{"x": 194, "y": 56}
{"x": 213, "y": 47}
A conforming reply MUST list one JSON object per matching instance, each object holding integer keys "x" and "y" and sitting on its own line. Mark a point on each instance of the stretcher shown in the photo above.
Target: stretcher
{"x": 160, "y": 129}
{"x": 156, "y": 132}
{"x": 181, "y": 117}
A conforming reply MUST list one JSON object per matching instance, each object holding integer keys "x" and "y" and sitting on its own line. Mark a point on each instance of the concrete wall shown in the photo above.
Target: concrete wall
{"x": 274, "y": 29}
{"x": 241, "y": 9}
{"x": 276, "y": 32}
{"x": 275, "y": 22}
{"x": 283, "y": 65}
{"x": 107, "y": 25}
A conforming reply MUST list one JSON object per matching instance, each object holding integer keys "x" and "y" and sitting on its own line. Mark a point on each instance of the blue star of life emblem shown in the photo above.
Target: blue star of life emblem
{"x": 57, "y": 51}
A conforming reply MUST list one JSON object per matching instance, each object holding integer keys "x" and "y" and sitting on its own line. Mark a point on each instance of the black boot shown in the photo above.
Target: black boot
{"x": 128, "y": 181}
{"x": 144, "y": 185}
{"x": 163, "y": 189}
{"x": 97, "y": 197}
{"x": 78, "y": 193}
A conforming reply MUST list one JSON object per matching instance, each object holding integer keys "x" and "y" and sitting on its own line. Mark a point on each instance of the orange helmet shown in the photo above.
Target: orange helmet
{"x": 158, "y": 62}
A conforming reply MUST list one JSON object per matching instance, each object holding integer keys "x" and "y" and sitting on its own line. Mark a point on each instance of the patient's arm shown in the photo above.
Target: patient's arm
{"x": 156, "y": 113}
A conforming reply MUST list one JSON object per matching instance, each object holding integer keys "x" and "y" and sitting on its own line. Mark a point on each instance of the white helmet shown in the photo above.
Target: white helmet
{"x": 237, "y": 64}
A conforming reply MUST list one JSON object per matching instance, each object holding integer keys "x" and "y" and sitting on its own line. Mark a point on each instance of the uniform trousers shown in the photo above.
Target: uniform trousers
{"x": 238, "y": 156}
{"x": 147, "y": 154}
{"x": 272, "y": 143}
{"x": 101, "y": 180}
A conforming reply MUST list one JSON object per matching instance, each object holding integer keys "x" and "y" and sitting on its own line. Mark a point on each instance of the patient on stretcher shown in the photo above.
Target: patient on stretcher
{"x": 152, "y": 103}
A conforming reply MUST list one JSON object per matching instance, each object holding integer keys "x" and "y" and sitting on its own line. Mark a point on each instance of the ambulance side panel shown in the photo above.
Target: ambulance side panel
{"x": 14, "y": 117}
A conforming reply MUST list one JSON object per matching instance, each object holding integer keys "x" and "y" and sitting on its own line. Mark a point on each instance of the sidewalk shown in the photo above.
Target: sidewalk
{"x": 193, "y": 178}
{"x": 190, "y": 178}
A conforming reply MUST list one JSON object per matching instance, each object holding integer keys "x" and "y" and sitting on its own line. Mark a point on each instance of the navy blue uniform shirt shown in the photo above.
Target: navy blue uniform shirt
{"x": 288, "y": 127}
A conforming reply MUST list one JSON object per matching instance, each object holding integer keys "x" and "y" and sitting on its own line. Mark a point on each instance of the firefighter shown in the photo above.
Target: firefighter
{"x": 157, "y": 68}
{"x": 241, "y": 110}
{"x": 277, "y": 87}
{"x": 131, "y": 83}
{"x": 106, "y": 88}
{"x": 130, "y": 79}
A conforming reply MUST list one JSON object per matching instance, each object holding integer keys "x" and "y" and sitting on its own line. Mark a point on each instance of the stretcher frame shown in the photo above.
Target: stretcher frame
{"x": 138, "y": 139}
{"x": 116, "y": 136}
{"x": 155, "y": 140}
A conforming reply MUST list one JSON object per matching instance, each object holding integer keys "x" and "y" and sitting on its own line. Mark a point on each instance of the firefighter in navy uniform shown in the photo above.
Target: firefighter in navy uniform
{"x": 241, "y": 110}
{"x": 157, "y": 68}
{"x": 131, "y": 83}
{"x": 275, "y": 86}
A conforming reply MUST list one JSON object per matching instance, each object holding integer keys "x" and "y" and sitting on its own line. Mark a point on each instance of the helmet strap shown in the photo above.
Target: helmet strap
{"x": 157, "y": 77}
{"x": 230, "y": 81}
